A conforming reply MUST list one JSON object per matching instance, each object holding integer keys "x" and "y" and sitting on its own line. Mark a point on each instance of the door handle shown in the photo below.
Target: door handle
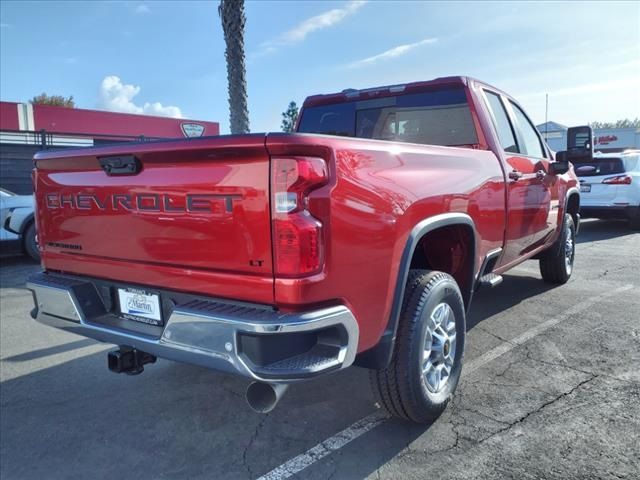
{"x": 515, "y": 175}
{"x": 540, "y": 174}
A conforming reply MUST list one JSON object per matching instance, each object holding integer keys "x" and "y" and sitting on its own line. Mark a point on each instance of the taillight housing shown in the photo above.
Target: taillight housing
{"x": 618, "y": 180}
{"x": 297, "y": 234}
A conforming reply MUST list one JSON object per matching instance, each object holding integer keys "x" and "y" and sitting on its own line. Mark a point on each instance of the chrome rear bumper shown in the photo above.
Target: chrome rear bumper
{"x": 230, "y": 337}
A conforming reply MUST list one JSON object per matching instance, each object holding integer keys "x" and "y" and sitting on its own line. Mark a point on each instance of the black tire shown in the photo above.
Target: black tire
{"x": 634, "y": 221}
{"x": 556, "y": 264}
{"x": 401, "y": 388}
{"x": 30, "y": 243}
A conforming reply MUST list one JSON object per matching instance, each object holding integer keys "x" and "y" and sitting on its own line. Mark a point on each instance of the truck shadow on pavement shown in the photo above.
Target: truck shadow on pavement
{"x": 178, "y": 421}
{"x": 173, "y": 421}
{"x": 45, "y": 352}
{"x": 15, "y": 269}
{"x": 513, "y": 290}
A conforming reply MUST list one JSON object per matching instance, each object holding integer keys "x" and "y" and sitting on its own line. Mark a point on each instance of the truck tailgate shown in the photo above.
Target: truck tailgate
{"x": 189, "y": 207}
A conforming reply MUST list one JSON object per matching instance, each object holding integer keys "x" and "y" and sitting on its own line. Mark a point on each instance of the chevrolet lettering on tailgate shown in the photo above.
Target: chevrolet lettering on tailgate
{"x": 153, "y": 202}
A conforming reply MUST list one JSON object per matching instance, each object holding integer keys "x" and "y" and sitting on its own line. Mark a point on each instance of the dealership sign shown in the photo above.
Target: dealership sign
{"x": 605, "y": 139}
{"x": 192, "y": 129}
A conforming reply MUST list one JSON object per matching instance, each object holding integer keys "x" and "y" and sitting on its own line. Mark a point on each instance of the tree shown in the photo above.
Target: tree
{"x": 232, "y": 16}
{"x": 624, "y": 123}
{"x": 289, "y": 117}
{"x": 53, "y": 100}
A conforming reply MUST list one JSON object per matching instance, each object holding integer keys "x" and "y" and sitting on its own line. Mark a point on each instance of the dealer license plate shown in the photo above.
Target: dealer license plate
{"x": 585, "y": 188}
{"x": 140, "y": 306}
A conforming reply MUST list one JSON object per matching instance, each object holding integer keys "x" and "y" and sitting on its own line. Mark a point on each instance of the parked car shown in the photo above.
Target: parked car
{"x": 360, "y": 239}
{"x": 610, "y": 186}
{"x": 18, "y": 231}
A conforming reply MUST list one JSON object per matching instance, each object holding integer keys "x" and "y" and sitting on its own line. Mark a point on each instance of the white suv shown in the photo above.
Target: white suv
{"x": 610, "y": 186}
{"x": 17, "y": 227}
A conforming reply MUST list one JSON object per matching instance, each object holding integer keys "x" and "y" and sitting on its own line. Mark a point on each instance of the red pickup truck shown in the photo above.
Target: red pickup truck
{"x": 359, "y": 239}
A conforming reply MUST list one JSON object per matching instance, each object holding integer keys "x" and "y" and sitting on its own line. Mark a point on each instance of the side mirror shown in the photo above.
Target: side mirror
{"x": 580, "y": 138}
{"x": 579, "y": 149}
{"x": 560, "y": 166}
{"x": 580, "y": 144}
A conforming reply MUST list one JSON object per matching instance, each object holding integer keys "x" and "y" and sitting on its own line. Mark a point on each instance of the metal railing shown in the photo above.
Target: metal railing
{"x": 46, "y": 139}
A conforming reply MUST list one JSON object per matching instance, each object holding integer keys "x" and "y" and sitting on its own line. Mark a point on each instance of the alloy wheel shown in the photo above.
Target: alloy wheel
{"x": 439, "y": 348}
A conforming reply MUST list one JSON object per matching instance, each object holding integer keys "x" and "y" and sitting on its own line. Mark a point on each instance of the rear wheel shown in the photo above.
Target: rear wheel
{"x": 427, "y": 358}
{"x": 556, "y": 265}
{"x": 30, "y": 242}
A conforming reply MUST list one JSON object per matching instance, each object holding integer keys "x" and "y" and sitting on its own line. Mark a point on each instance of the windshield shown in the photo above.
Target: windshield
{"x": 439, "y": 117}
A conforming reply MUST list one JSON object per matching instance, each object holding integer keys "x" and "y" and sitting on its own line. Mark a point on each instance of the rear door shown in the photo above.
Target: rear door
{"x": 191, "y": 206}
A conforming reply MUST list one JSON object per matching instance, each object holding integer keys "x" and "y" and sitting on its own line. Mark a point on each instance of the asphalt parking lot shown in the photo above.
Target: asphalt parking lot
{"x": 551, "y": 389}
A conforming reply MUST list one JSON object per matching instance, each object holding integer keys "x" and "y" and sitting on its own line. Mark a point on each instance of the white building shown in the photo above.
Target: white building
{"x": 605, "y": 139}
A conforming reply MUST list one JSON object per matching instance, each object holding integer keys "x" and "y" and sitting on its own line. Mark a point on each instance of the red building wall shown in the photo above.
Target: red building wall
{"x": 80, "y": 121}
{"x": 9, "y": 116}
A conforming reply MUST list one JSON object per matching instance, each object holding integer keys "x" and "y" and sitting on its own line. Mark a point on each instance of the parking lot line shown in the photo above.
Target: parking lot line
{"x": 362, "y": 426}
{"x": 503, "y": 348}
{"x": 321, "y": 450}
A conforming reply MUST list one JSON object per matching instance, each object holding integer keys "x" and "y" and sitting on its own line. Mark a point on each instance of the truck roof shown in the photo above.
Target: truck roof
{"x": 384, "y": 91}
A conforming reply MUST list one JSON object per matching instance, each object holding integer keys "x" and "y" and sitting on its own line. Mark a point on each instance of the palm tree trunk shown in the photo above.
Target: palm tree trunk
{"x": 233, "y": 20}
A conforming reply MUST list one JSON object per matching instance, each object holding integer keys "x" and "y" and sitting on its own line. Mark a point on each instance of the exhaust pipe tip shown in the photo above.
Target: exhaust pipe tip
{"x": 263, "y": 397}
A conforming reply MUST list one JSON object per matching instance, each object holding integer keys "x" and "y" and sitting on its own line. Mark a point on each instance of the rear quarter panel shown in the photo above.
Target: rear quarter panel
{"x": 380, "y": 191}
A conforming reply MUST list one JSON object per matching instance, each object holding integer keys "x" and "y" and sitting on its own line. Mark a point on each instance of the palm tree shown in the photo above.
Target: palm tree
{"x": 232, "y": 15}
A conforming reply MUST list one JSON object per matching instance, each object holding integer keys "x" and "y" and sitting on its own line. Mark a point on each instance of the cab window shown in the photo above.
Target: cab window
{"x": 502, "y": 123}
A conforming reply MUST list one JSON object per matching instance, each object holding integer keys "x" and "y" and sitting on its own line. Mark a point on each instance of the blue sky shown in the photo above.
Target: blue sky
{"x": 163, "y": 57}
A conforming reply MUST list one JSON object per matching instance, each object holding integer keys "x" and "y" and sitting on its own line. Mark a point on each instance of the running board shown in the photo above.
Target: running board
{"x": 490, "y": 280}
{"x": 488, "y": 264}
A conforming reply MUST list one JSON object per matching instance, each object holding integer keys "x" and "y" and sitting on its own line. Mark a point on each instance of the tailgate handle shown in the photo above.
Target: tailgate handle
{"x": 120, "y": 165}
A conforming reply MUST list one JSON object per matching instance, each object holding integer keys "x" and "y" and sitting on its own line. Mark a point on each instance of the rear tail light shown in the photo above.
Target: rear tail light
{"x": 298, "y": 242}
{"x": 618, "y": 180}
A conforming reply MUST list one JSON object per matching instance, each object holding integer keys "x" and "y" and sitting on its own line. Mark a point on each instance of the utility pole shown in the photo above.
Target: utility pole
{"x": 546, "y": 116}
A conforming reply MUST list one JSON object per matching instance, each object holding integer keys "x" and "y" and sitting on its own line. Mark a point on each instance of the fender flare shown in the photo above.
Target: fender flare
{"x": 380, "y": 355}
{"x": 570, "y": 192}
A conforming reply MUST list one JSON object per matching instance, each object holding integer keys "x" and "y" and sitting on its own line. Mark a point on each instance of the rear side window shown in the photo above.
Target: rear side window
{"x": 502, "y": 123}
{"x": 599, "y": 166}
{"x": 439, "y": 117}
{"x": 532, "y": 146}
